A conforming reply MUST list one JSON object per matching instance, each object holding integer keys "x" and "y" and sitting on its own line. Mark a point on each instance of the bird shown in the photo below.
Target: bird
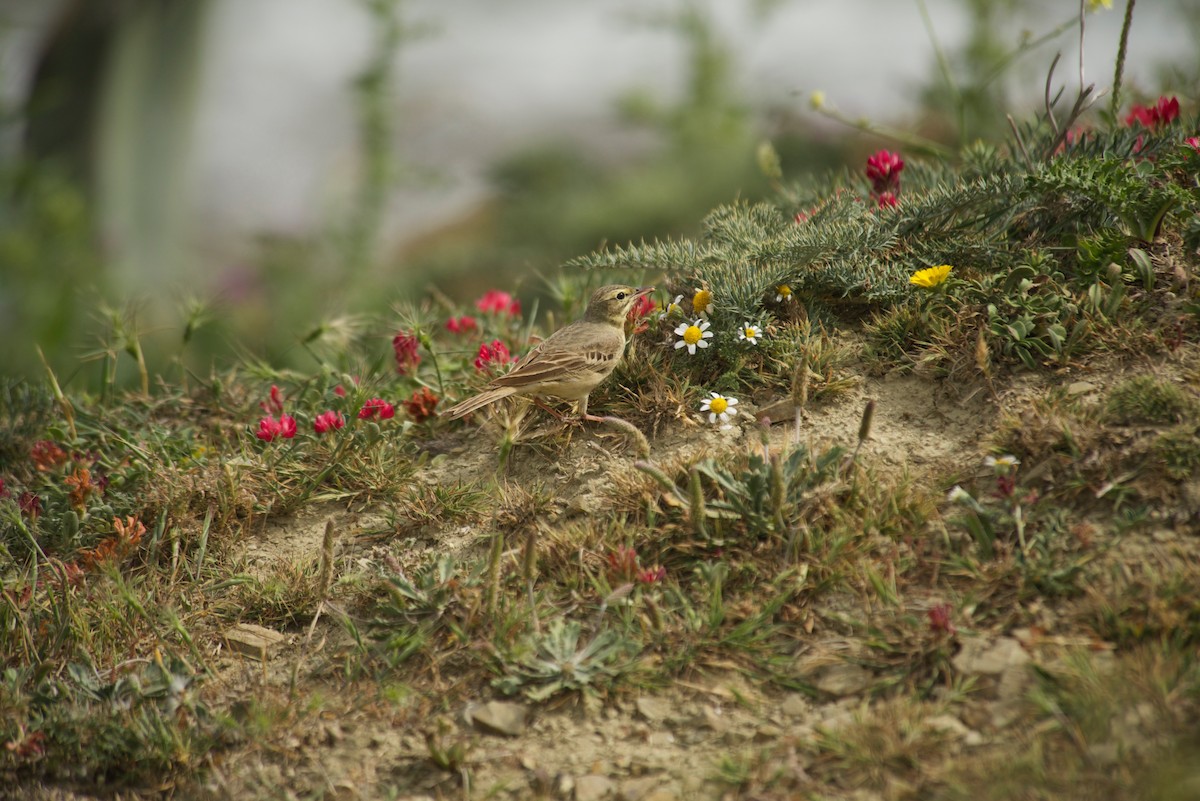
{"x": 572, "y": 361}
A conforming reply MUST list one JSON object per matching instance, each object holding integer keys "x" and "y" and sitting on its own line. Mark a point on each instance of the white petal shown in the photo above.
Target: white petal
{"x": 701, "y": 344}
{"x": 692, "y": 348}
{"x": 712, "y": 417}
{"x": 732, "y": 401}
{"x": 679, "y": 344}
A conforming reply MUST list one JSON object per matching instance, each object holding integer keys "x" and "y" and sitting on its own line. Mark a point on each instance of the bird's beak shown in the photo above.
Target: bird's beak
{"x": 643, "y": 290}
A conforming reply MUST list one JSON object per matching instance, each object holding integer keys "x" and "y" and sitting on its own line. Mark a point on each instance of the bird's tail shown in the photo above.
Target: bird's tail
{"x": 478, "y": 402}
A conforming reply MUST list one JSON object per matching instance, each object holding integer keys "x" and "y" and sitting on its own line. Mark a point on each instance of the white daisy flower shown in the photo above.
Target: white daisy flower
{"x": 719, "y": 408}
{"x": 692, "y": 335}
{"x": 749, "y": 333}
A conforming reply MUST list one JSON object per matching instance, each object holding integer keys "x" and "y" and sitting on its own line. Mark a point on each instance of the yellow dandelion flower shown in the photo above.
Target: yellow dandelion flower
{"x": 931, "y": 276}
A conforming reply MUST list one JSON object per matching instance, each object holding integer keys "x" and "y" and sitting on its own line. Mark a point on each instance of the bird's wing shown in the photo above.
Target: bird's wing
{"x": 552, "y": 361}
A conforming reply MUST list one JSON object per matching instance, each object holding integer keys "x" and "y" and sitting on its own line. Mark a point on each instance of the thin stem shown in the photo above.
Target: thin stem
{"x": 944, "y": 66}
{"x": 1121, "y": 50}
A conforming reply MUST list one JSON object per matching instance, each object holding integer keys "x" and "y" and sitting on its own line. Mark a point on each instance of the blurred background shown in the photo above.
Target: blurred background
{"x": 202, "y": 180}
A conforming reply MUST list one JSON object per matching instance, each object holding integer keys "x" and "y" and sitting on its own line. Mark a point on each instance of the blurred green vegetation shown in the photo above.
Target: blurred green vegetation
{"x": 553, "y": 200}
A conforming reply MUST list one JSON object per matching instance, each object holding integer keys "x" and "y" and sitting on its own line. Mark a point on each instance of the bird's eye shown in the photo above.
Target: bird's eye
{"x": 620, "y": 296}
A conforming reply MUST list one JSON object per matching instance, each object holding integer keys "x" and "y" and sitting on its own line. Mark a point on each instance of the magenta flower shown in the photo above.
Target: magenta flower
{"x": 274, "y": 402}
{"x": 405, "y": 345}
{"x": 1163, "y": 112}
{"x": 886, "y": 200}
{"x": 652, "y": 575}
{"x": 495, "y": 353}
{"x": 269, "y": 428}
{"x": 461, "y": 325}
{"x": 328, "y": 421}
{"x": 883, "y": 171}
{"x": 377, "y": 406}
{"x": 939, "y": 619}
{"x": 496, "y": 302}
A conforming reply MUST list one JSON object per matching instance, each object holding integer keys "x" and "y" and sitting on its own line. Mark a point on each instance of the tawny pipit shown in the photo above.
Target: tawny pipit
{"x": 572, "y": 361}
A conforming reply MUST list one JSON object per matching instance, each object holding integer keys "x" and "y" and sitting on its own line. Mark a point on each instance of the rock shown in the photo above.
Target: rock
{"x": 660, "y": 739}
{"x": 661, "y": 794}
{"x": 948, "y": 724}
{"x": 843, "y": 679}
{"x": 713, "y": 718}
{"x": 498, "y": 717}
{"x": 795, "y": 706}
{"x": 1080, "y": 388}
{"x": 981, "y": 657}
{"x": 767, "y": 732}
{"x": 952, "y": 725}
{"x": 256, "y": 642}
{"x": 638, "y": 789}
{"x": 654, "y": 710}
{"x": 594, "y": 788}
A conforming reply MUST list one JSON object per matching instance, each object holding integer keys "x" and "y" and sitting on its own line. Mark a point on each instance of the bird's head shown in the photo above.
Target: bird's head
{"x": 611, "y": 304}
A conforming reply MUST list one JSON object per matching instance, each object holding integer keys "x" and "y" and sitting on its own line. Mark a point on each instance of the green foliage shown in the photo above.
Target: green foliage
{"x": 129, "y": 728}
{"x": 1147, "y": 399}
{"x": 50, "y": 262}
{"x": 557, "y": 662}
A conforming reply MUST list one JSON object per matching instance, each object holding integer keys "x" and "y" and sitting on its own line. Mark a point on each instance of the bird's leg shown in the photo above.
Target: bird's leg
{"x": 583, "y": 412}
{"x": 544, "y": 407}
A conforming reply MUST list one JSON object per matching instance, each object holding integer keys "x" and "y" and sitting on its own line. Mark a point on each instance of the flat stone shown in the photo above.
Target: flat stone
{"x": 254, "y": 641}
{"x": 843, "y": 679}
{"x": 498, "y": 717}
{"x": 594, "y": 788}
{"x": 980, "y": 656}
{"x": 638, "y": 789}
{"x": 1080, "y": 388}
{"x": 795, "y": 706}
{"x": 652, "y": 709}
{"x": 661, "y": 794}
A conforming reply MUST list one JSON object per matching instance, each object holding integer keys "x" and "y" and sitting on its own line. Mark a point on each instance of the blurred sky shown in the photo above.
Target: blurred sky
{"x": 274, "y": 133}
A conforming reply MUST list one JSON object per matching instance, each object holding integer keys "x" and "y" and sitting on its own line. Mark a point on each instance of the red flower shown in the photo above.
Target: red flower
{"x": 274, "y": 402}
{"x": 340, "y": 391}
{"x": 421, "y": 405}
{"x": 495, "y": 353}
{"x": 643, "y": 306}
{"x": 883, "y": 171}
{"x": 801, "y": 217}
{"x": 461, "y": 325}
{"x": 405, "y": 345}
{"x": 4, "y": 493}
{"x": 377, "y": 406}
{"x": 269, "y": 428}
{"x": 46, "y": 455}
{"x": 328, "y": 421}
{"x": 497, "y": 302}
{"x": 939, "y": 619}
{"x": 622, "y": 565}
{"x": 1164, "y": 112}
{"x": 30, "y": 504}
{"x": 652, "y": 575}
{"x": 1193, "y": 142}
{"x": 886, "y": 200}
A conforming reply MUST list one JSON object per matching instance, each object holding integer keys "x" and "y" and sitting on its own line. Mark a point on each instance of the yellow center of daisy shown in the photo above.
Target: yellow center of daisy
{"x": 718, "y": 405}
{"x": 692, "y": 335}
{"x": 701, "y": 300}
{"x": 784, "y": 289}
{"x": 751, "y": 333}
